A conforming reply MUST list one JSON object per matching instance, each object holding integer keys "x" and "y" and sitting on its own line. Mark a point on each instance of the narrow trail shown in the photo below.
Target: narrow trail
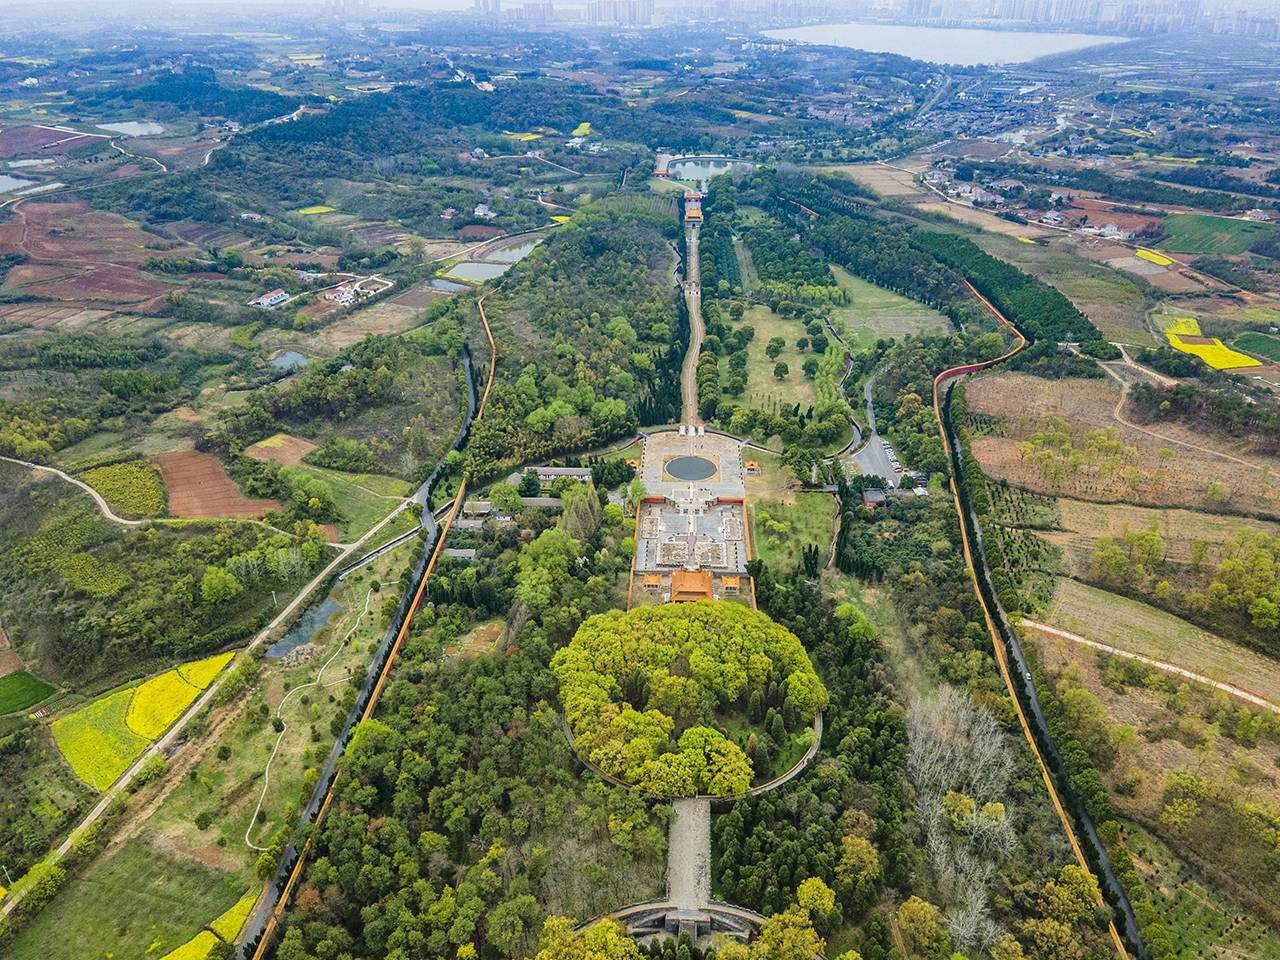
{"x": 97, "y": 497}
{"x": 317, "y": 682}
{"x": 1001, "y": 654}
{"x": 1161, "y": 665}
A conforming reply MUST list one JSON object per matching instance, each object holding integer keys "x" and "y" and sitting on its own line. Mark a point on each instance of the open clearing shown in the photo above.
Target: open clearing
{"x": 199, "y": 487}
{"x": 779, "y": 531}
{"x": 284, "y": 449}
{"x": 1140, "y": 628}
{"x": 1089, "y": 405}
{"x": 1200, "y": 233}
{"x": 764, "y": 390}
{"x": 9, "y": 659}
{"x": 974, "y": 217}
{"x": 874, "y": 312}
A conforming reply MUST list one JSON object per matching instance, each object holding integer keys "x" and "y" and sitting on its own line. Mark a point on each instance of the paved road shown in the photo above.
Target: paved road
{"x": 689, "y": 855}
{"x": 97, "y": 497}
{"x": 693, "y": 300}
{"x": 873, "y": 459}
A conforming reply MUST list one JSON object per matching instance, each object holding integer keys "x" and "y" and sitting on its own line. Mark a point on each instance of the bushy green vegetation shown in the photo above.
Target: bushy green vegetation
{"x": 186, "y": 588}
{"x": 133, "y": 488}
{"x": 688, "y": 666}
{"x": 590, "y": 320}
{"x": 1259, "y": 343}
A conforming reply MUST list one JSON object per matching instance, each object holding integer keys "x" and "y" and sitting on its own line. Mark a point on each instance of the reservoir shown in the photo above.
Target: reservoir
{"x": 133, "y": 128}
{"x": 8, "y": 183}
{"x": 960, "y": 46}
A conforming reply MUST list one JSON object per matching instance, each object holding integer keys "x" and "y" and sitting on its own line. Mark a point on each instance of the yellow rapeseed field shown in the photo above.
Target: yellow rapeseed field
{"x": 319, "y": 208}
{"x": 201, "y": 673}
{"x": 1183, "y": 326}
{"x": 158, "y": 702}
{"x": 582, "y": 129}
{"x": 1214, "y": 354}
{"x": 1151, "y": 256}
{"x": 197, "y": 948}
{"x": 97, "y": 741}
{"x": 228, "y": 925}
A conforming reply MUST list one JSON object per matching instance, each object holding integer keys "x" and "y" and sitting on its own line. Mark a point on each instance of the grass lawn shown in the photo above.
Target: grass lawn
{"x": 774, "y": 481}
{"x": 363, "y": 498}
{"x": 764, "y": 390}
{"x": 1200, "y": 233}
{"x": 874, "y": 313}
{"x": 126, "y": 902}
{"x": 20, "y": 690}
{"x": 1260, "y": 344}
{"x": 1139, "y": 628}
{"x": 780, "y": 531}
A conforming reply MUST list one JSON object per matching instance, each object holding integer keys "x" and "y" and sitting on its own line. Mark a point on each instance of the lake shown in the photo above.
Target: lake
{"x": 960, "y": 46}
{"x": 134, "y": 128}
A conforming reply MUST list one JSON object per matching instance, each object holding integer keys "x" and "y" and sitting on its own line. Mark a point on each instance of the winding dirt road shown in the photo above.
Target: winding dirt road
{"x": 97, "y": 497}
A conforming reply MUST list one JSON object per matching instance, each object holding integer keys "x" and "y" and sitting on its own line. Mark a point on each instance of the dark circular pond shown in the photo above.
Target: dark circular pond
{"x": 691, "y": 468}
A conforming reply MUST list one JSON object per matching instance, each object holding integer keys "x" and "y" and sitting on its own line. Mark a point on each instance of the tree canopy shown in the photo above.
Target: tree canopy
{"x": 643, "y": 692}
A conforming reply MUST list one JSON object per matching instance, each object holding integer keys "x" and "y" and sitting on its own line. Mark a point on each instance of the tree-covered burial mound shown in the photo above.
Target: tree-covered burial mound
{"x": 690, "y": 698}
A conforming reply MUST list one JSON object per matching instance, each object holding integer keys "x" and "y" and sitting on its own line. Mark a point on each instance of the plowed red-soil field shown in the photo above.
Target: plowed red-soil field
{"x": 40, "y": 142}
{"x": 199, "y": 487}
{"x": 77, "y": 254}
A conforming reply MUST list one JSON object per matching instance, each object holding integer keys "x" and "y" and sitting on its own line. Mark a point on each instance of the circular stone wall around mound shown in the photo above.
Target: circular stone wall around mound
{"x": 666, "y": 698}
{"x": 691, "y": 468}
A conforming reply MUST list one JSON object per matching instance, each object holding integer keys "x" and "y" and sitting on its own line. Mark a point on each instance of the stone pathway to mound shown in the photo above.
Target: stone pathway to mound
{"x": 689, "y": 855}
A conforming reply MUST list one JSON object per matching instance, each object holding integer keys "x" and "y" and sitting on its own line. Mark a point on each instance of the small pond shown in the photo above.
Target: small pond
{"x": 513, "y": 254}
{"x": 473, "y": 270}
{"x": 289, "y": 360}
{"x": 8, "y": 183}
{"x": 450, "y": 285}
{"x": 312, "y": 621}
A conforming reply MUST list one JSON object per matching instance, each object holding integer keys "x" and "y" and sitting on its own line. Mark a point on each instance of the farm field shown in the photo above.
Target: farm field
{"x": 1259, "y": 343}
{"x": 1143, "y": 629}
{"x": 1142, "y": 476}
{"x": 103, "y": 737}
{"x": 874, "y": 313}
{"x": 162, "y": 855}
{"x": 1182, "y": 727}
{"x": 142, "y": 898}
{"x": 96, "y": 739}
{"x": 21, "y": 691}
{"x": 1200, "y": 233}
{"x": 886, "y": 180}
{"x": 1201, "y": 921}
{"x": 286, "y": 450}
{"x": 1105, "y": 295}
{"x": 779, "y": 532}
{"x": 764, "y": 390}
{"x": 1086, "y": 521}
{"x": 132, "y": 489}
{"x": 1212, "y": 352}
{"x": 199, "y": 487}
